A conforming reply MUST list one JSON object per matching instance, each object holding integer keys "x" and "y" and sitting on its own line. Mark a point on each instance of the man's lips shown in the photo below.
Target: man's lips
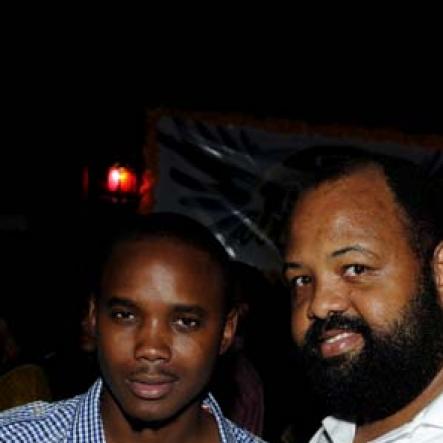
{"x": 336, "y": 342}
{"x": 151, "y": 387}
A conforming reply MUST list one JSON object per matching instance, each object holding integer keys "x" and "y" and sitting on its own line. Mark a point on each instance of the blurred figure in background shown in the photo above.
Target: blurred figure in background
{"x": 21, "y": 379}
{"x": 237, "y": 385}
{"x": 253, "y": 382}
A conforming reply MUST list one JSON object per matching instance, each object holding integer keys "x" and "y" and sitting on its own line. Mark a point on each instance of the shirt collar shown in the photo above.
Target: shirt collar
{"x": 88, "y": 424}
{"x": 433, "y": 413}
{"x": 224, "y": 430}
{"x": 341, "y": 431}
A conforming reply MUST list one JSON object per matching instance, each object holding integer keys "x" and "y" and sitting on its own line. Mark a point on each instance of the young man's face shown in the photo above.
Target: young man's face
{"x": 160, "y": 326}
{"x": 359, "y": 310}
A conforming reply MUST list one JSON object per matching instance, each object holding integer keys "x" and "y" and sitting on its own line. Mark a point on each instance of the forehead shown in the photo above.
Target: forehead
{"x": 354, "y": 208}
{"x": 162, "y": 265}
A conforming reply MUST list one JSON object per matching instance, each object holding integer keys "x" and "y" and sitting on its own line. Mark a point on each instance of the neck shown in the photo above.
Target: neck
{"x": 370, "y": 431}
{"x": 194, "y": 424}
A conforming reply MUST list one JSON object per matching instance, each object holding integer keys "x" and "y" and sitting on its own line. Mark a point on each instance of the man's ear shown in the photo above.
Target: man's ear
{"x": 437, "y": 267}
{"x": 91, "y": 317}
{"x": 88, "y": 327}
{"x": 229, "y": 331}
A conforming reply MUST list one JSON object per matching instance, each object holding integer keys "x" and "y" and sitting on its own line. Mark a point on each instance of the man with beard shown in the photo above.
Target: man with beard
{"x": 161, "y": 312}
{"x": 364, "y": 263}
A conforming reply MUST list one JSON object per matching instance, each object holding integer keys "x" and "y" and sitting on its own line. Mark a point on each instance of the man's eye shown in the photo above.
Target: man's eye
{"x": 354, "y": 270}
{"x": 122, "y": 315}
{"x": 187, "y": 323}
{"x": 300, "y": 281}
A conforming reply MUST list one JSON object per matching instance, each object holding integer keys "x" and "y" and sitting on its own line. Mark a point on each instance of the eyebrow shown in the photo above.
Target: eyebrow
{"x": 118, "y": 301}
{"x": 353, "y": 248}
{"x": 339, "y": 252}
{"x": 290, "y": 265}
{"x": 179, "y": 308}
{"x": 190, "y": 309}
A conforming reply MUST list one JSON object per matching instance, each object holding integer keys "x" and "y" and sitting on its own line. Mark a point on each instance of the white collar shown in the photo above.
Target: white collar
{"x": 341, "y": 431}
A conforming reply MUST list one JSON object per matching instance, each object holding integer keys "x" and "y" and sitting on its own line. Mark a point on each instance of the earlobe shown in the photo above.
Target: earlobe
{"x": 438, "y": 269}
{"x": 229, "y": 331}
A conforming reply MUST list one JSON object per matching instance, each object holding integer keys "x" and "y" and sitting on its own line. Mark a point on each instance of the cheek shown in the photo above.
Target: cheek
{"x": 199, "y": 351}
{"x": 115, "y": 345}
{"x": 380, "y": 313}
{"x": 299, "y": 324}
{"x": 384, "y": 304}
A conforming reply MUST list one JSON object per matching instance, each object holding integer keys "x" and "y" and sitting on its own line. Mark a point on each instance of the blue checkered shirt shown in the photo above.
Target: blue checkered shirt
{"x": 78, "y": 420}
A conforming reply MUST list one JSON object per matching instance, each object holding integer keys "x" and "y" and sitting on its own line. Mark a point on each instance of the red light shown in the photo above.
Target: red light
{"x": 121, "y": 179}
{"x": 113, "y": 179}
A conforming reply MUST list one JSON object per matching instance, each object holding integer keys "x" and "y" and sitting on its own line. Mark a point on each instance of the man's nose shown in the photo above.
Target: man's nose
{"x": 153, "y": 342}
{"x": 327, "y": 298}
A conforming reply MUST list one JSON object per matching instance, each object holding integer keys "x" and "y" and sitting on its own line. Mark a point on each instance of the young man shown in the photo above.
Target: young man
{"x": 161, "y": 313}
{"x": 364, "y": 261}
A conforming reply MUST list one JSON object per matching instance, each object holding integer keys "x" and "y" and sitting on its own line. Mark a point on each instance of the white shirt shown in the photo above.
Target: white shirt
{"x": 426, "y": 427}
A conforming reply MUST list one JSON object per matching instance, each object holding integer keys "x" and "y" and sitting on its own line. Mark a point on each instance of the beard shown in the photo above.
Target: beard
{"x": 393, "y": 368}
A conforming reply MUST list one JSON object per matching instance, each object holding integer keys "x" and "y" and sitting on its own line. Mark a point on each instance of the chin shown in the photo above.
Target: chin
{"x": 152, "y": 416}
{"x": 343, "y": 360}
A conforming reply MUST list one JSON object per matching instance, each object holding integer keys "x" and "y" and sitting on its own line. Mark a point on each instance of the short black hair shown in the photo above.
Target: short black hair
{"x": 167, "y": 225}
{"x": 417, "y": 191}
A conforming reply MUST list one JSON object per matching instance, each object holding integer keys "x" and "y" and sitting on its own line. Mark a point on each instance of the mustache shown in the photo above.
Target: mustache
{"x": 335, "y": 321}
{"x": 153, "y": 371}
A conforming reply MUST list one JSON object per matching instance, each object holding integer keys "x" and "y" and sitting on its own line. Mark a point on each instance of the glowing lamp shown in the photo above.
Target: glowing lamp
{"x": 122, "y": 180}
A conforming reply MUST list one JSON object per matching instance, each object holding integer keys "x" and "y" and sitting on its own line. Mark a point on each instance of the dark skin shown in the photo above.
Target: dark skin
{"x": 349, "y": 253}
{"x": 160, "y": 325}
